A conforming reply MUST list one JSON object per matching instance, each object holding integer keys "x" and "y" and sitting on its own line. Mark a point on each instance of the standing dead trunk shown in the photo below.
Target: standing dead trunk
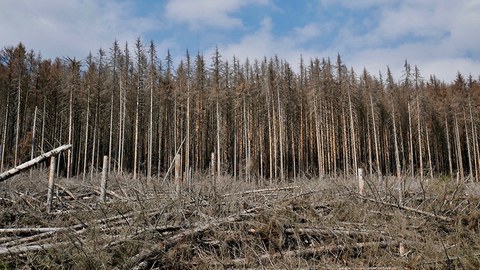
{"x": 449, "y": 147}
{"x": 430, "y": 167}
{"x": 459, "y": 151}
{"x": 319, "y": 140}
{"x": 4, "y": 137}
{"x": 280, "y": 136}
{"x": 467, "y": 138}
{"x": 352, "y": 133}
{"x": 32, "y": 151}
{"x": 50, "y": 184}
{"x": 375, "y": 138}
{"x": 70, "y": 119}
{"x": 218, "y": 139}
{"x": 86, "y": 135}
{"x": 397, "y": 158}
{"x": 17, "y": 123}
{"x": 420, "y": 148}
{"x": 410, "y": 141}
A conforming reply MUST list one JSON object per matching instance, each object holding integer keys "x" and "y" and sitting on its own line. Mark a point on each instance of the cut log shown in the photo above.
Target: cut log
{"x": 18, "y": 169}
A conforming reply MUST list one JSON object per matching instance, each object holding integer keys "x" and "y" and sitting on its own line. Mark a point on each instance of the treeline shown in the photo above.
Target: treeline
{"x": 250, "y": 119}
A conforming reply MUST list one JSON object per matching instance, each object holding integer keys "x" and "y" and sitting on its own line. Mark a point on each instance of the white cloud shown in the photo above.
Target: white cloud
{"x": 69, "y": 28}
{"x": 208, "y": 13}
{"x": 435, "y": 35}
{"x": 263, "y": 43}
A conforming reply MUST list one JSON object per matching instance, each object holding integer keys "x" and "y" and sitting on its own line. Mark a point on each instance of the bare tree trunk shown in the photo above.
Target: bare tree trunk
{"x": 32, "y": 151}
{"x": 346, "y": 159}
{"x": 17, "y": 123}
{"x": 375, "y": 138}
{"x": 187, "y": 139}
{"x": 160, "y": 132}
{"x": 459, "y": 151}
{"x": 449, "y": 147}
{"x": 429, "y": 153}
{"x": 110, "y": 132}
{"x": 474, "y": 144}
{"x": 397, "y": 158}
{"x": 467, "y": 137}
{"x": 50, "y": 184}
{"x": 43, "y": 126}
{"x": 4, "y": 136}
{"x": 86, "y": 137}
{"x": 135, "y": 142}
{"x": 150, "y": 134}
{"x": 410, "y": 140}
{"x": 270, "y": 140}
{"x": 94, "y": 143}
{"x": 70, "y": 119}
{"x": 352, "y": 133}
{"x": 319, "y": 141}
{"x": 420, "y": 148}
{"x": 218, "y": 139}
{"x": 280, "y": 136}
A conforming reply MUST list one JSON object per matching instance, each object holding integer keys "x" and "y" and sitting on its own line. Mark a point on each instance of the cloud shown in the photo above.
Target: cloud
{"x": 263, "y": 43}
{"x": 436, "y": 35}
{"x": 69, "y": 28}
{"x": 208, "y": 13}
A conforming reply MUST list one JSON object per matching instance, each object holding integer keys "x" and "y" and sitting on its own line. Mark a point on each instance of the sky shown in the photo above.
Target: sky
{"x": 439, "y": 36}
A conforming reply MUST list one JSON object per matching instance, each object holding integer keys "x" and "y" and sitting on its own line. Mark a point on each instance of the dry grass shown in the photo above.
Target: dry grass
{"x": 305, "y": 224}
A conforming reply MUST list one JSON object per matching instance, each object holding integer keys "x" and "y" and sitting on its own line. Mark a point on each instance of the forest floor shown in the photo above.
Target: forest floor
{"x": 302, "y": 224}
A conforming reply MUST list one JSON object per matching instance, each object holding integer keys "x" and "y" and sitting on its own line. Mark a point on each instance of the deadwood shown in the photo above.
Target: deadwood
{"x": 4, "y": 176}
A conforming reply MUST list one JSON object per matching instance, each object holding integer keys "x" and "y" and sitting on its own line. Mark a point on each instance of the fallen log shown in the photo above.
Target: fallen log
{"x": 5, "y": 175}
{"x": 406, "y": 208}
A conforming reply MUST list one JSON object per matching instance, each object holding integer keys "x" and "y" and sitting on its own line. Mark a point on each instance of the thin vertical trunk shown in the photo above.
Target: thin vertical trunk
{"x": 32, "y": 151}
{"x": 187, "y": 139}
{"x": 4, "y": 136}
{"x": 270, "y": 159}
{"x": 449, "y": 147}
{"x": 352, "y": 133}
{"x": 346, "y": 159}
{"x": 135, "y": 142}
{"x": 369, "y": 145}
{"x": 429, "y": 153}
{"x": 375, "y": 138}
{"x": 420, "y": 148}
{"x": 150, "y": 133}
{"x": 474, "y": 143}
{"x": 70, "y": 119}
{"x": 43, "y": 125}
{"x": 397, "y": 157}
{"x": 467, "y": 137}
{"x": 17, "y": 123}
{"x": 110, "y": 132}
{"x": 160, "y": 131}
{"x": 410, "y": 140}
{"x": 86, "y": 136}
{"x": 218, "y": 139}
{"x": 280, "y": 136}
{"x": 94, "y": 143}
{"x": 459, "y": 151}
{"x": 293, "y": 154}
{"x": 317, "y": 133}
{"x": 245, "y": 141}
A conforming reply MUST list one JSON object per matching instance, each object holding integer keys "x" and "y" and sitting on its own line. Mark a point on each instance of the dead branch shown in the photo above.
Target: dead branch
{"x": 261, "y": 190}
{"x": 425, "y": 213}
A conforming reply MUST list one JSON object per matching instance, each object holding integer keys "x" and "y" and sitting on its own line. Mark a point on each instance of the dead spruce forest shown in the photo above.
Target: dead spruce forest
{"x": 268, "y": 170}
{"x": 256, "y": 118}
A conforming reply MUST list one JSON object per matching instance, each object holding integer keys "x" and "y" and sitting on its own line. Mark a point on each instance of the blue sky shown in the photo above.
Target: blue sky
{"x": 437, "y": 35}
